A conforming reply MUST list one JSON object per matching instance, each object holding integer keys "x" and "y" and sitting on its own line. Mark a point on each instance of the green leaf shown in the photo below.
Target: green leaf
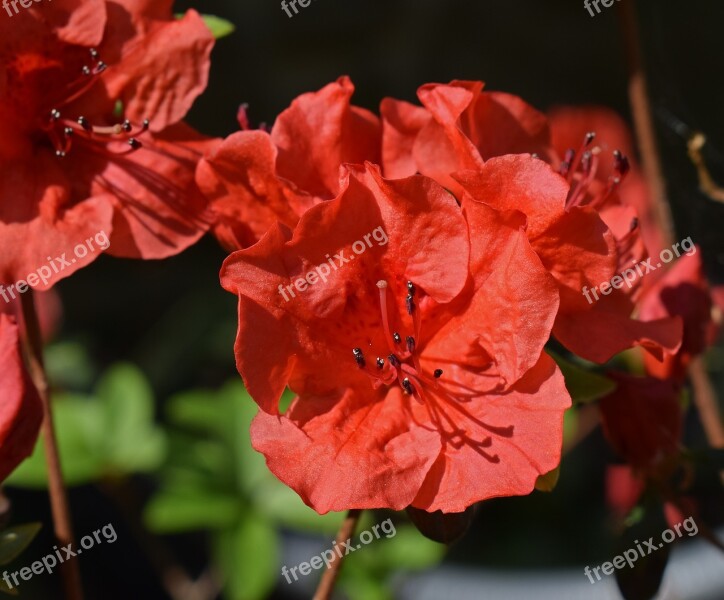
{"x": 109, "y": 433}
{"x": 219, "y": 27}
{"x": 548, "y": 482}
{"x": 133, "y": 443}
{"x": 172, "y": 512}
{"x": 583, "y": 386}
{"x": 69, "y": 366}
{"x": 14, "y": 540}
{"x": 407, "y": 549}
{"x": 249, "y": 559}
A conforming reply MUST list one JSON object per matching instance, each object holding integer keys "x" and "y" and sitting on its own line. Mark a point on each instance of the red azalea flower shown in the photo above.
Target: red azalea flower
{"x": 417, "y": 357}
{"x": 20, "y": 410}
{"x": 583, "y": 233}
{"x": 459, "y": 128}
{"x": 255, "y": 178}
{"x": 642, "y": 420}
{"x": 683, "y": 292}
{"x": 72, "y": 164}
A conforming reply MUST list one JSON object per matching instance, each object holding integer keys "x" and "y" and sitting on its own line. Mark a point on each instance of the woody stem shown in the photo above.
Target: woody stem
{"x": 63, "y": 528}
{"x": 346, "y": 530}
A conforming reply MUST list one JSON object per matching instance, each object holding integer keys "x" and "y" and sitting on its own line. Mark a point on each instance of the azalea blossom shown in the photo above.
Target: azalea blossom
{"x": 254, "y": 178}
{"x": 92, "y": 94}
{"x": 418, "y": 366}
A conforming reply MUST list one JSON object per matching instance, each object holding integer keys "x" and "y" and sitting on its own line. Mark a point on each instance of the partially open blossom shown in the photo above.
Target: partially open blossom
{"x": 256, "y": 178}
{"x": 20, "y": 410}
{"x": 418, "y": 363}
{"x": 92, "y": 94}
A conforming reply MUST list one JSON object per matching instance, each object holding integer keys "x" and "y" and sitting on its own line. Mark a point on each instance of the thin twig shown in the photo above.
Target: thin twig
{"x": 62, "y": 523}
{"x": 346, "y": 530}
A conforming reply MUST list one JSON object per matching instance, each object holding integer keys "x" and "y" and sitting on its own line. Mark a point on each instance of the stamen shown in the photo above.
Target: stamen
{"x": 437, "y": 373}
{"x": 359, "y": 357}
{"x": 410, "y": 305}
{"x": 396, "y": 336}
{"x": 407, "y": 385}
{"x": 394, "y": 361}
{"x": 410, "y": 344}
{"x": 380, "y": 363}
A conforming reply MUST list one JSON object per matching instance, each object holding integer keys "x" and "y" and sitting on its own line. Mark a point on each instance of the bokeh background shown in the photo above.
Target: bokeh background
{"x": 173, "y": 327}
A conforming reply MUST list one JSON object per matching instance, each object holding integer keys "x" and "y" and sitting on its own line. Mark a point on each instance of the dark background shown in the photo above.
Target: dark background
{"x": 173, "y": 319}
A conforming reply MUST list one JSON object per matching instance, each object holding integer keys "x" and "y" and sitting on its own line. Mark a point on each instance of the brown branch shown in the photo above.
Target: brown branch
{"x": 33, "y": 344}
{"x": 346, "y": 530}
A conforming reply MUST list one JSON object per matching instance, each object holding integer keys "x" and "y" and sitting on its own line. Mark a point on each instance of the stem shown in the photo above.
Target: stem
{"x": 704, "y": 395}
{"x": 643, "y": 119}
{"x": 58, "y": 496}
{"x": 346, "y": 530}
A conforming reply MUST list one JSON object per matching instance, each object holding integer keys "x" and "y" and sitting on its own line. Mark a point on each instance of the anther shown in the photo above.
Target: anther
{"x": 60, "y": 153}
{"x": 86, "y": 70}
{"x": 380, "y": 363}
{"x": 359, "y": 357}
{"x": 437, "y": 373}
{"x": 93, "y": 53}
{"x": 634, "y": 224}
{"x": 101, "y": 67}
{"x": 396, "y": 336}
{"x": 411, "y": 288}
{"x": 394, "y": 361}
{"x": 621, "y": 163}
{"x": 134, "y": 143}
{"x": 126, "y": 126}
{"x": 590, "y": 136}
{"x": 54, "y": 114}
{"x": 83, "y": 122}
{"x": 410, "y": 304}
{"x": 407, "y": 385}
{"x": 410, "y": 343}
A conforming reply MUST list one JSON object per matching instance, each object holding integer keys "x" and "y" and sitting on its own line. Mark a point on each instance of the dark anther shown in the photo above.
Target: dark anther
{"x": 380, "y": 363}
{"x": 396, "y": 337}
{"x": 60, "y": 153}
{"x": 437, "y": 373}
{"x": 68, "y": 131}
{"x": 54, "y": 114}
{"x": 86, "y": 70}
{"x": 394, "y": 361}
{"x": 410, "y": 343}
{"x": 634, "y": 224}
{"x": 359, "y": 357}
{"x": 94, "y": 53}
{"x": 590, "y": 136}
{"x": 407, "y": 385}
{"x": 410, "y": 304}
{"x": 127, "y": 126}
{"x": 101, "y": 67}
{"x": 134, "y": 143}
{"x": 83, "y": 122}
{"x": 621, "y": 162}
{"x": 410, "y": 288}
{"x": 146, "y": 124}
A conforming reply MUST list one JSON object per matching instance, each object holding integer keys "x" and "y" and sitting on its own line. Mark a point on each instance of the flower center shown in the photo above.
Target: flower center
{"x": 580, "y": 168}
{"x": 402, "y": 365}
{"x": 64, "y": 132}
